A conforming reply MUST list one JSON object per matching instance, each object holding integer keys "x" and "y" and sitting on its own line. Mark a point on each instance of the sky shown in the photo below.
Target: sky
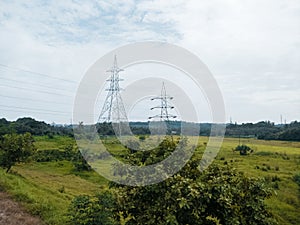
{"x": 252, "y": 47}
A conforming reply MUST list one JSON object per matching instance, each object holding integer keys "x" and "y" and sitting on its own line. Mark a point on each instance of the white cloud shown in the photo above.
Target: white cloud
{"x": 251, "y": 46}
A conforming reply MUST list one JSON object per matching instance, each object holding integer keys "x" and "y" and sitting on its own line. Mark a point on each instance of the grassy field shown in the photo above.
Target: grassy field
{"x": 47, "y": 188}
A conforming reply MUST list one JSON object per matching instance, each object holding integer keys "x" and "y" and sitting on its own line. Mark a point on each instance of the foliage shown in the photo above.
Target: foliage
{"x": 243, "y": 149}
{"x": 70, "y": 153}
{"x": 79, "y": 161}
{"x": 105, "y": 129}
{"x": 30, "y": 125}
{"x": 165, "y": 148}
{"x": 262, "y": 130}
{"x": 219, "y": 194}
{"x": 266, "y": 130}
{"x": 86, "y": 210}
{"x": 49, "y": 155}
{"x": 292, "y": 134}
{"x": 15, "y": 149}
{"x": 5, "y": 127}
{"x": 132, "y": 145}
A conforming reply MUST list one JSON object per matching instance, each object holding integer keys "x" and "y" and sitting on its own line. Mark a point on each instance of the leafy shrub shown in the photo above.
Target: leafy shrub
{"x": 87, "y": 210}
{"x": 48, "y": 155}
{"x": 219, "y": 195}
{"x": 243, "y": 149}
{"x": 79, "y": 162}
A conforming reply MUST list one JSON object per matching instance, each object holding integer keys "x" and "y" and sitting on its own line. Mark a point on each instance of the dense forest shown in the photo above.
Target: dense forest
{"x": 262, "y": 130}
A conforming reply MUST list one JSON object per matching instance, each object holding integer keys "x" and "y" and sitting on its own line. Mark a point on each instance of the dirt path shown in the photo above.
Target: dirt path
{"x": 11, "y": 213}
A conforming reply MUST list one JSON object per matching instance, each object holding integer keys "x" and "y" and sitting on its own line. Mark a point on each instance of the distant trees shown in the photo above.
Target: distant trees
{"x": 30, "y": 125}
{"x": 291, "y": 134}
{"x": 70, "y": 153}
{"x": 5, "y": 127}
{"x": 262, "y": 130}
{"x": 266, "y": 130}
{"x": 15, "y": 148}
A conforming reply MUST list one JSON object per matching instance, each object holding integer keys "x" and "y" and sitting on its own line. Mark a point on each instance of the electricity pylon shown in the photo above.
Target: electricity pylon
{"x": 164, "y": 115}
{"x": 113, "y": 110}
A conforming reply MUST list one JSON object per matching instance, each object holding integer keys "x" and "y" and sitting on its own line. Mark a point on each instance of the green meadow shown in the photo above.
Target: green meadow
{"x": 47, "y": 188}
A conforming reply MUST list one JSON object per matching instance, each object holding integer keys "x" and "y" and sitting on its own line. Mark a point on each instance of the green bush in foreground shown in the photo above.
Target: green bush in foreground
{"x": 87, "y": 210}
{"x": 220, "y": 195}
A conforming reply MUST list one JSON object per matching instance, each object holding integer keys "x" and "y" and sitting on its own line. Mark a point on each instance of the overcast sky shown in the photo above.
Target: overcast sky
{"x": 252, "y": 47}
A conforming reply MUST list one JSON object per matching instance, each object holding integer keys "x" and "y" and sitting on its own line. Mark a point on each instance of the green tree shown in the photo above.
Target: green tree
{"x": 15, "y": 148}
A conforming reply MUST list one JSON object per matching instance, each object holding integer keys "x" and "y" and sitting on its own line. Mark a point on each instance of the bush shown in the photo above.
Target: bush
{"x": 243, "y": 149}
{"x": 97, "y": 210}
{"x": 219, "y": 195}
{"x": 48, "y": 155}
{"x": 79, "y": 162}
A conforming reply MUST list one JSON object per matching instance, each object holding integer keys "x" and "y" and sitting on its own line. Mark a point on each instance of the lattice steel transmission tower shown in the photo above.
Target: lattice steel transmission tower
{"x": 113, "y": 110}
{"x": 165, "y": 106}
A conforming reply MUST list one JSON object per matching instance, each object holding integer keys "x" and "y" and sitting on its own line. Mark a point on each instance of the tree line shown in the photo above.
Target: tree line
{"x": 265, "y": 130}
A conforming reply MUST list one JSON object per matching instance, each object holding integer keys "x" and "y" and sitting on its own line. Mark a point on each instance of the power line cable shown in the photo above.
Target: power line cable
{"x": 65, "y": 115}
{"x": 37, "y": 73}
{"x": 28, "y": 89}
{"x": 35, "y": 84}
{"x": 34, "y": 100}
{"x": 27, "y": 108}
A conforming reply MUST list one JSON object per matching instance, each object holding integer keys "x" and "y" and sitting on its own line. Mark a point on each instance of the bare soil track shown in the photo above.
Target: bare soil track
{"x": 12, "y": 213}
